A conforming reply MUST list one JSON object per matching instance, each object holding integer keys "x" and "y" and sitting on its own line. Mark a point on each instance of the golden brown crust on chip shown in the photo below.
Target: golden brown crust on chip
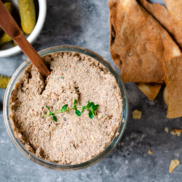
{"x": 166, "y": 97}
{"x": 173, "y": 75}
{"x": 165, "y": 18}
{"x": 150, "y": 90}
{"x": 138, "y": 43}
{"x": 175, "y": 8}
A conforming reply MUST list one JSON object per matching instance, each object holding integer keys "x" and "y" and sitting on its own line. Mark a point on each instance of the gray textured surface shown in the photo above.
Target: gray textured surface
{"x": 85, "y": 23}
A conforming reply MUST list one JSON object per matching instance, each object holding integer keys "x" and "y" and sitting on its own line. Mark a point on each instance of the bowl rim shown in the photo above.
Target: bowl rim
{"x": 52, "y": 165}
{"x": 36, "y": 31}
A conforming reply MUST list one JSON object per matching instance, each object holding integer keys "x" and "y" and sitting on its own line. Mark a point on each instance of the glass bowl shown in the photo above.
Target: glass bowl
{"x": 52, "y": 165}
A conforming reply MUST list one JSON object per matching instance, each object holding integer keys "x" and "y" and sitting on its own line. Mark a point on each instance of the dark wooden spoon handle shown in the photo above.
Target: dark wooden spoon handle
{"x": 8, "y": 24}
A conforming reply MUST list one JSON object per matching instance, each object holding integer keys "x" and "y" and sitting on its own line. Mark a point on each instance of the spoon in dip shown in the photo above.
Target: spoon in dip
{"x": 8, "y": 24}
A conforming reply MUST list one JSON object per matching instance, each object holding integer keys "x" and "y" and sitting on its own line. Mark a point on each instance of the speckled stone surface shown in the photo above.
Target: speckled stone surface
{"x": 86, "y": 23}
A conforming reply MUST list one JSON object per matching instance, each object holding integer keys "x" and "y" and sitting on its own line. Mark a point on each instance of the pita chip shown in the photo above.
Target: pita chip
{"x": 166, "y": 96}
{"x": 138, "y": 43}
{"x": 150, "y": 90}
{"x": 173, "y": 76}
{"x": 166, "y": 18}
{"x": 175, "y": 8}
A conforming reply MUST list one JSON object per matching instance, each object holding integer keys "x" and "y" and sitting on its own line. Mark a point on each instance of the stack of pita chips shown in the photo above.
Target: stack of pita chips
{"x": 146, "y": 44}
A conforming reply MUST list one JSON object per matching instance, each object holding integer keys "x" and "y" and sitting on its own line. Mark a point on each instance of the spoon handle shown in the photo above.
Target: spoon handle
{"x": 8, "y": 24}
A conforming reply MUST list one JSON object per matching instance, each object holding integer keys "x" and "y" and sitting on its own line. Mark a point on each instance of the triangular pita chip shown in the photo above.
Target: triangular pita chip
{"x": 138, "y": 43}
{"x": 150, "y": 90}
{"x": 166, "y": 19}
{"x": 173, "y": 76}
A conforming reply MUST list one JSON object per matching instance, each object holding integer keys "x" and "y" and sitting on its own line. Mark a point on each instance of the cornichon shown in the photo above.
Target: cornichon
{"x": 27, "y": 15}
{"x": 4, "y": 80}
{"x": 4, "y": 39}
{"x": 8, "y": 6}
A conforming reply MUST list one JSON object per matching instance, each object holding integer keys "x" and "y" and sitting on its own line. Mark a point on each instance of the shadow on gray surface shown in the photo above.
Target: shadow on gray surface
{"x": 1, "y": 106}
{"x": 65, "y": 23}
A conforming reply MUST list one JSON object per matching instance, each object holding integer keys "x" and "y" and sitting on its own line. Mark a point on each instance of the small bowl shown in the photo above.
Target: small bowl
{"x": 107, "y": 150}
{"x": 42, "y": 8}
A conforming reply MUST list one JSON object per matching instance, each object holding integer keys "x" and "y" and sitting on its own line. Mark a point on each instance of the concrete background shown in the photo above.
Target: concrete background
{"x": 86, "y": 23}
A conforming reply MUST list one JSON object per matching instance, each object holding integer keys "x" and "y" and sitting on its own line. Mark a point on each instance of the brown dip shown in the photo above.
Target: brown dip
{"x": 72, "y": 139}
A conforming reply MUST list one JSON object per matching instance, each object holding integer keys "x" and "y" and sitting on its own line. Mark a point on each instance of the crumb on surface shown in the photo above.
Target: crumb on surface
{"x": 174, "y": 163}
{"x": 100, "y": 115}
{"x": 173, "y": 133}
{"x": 177, "y": 131}
{"x": 166, "y": 129}
{"x": 150, "y": 152}
{"x": 137, "y": 114}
